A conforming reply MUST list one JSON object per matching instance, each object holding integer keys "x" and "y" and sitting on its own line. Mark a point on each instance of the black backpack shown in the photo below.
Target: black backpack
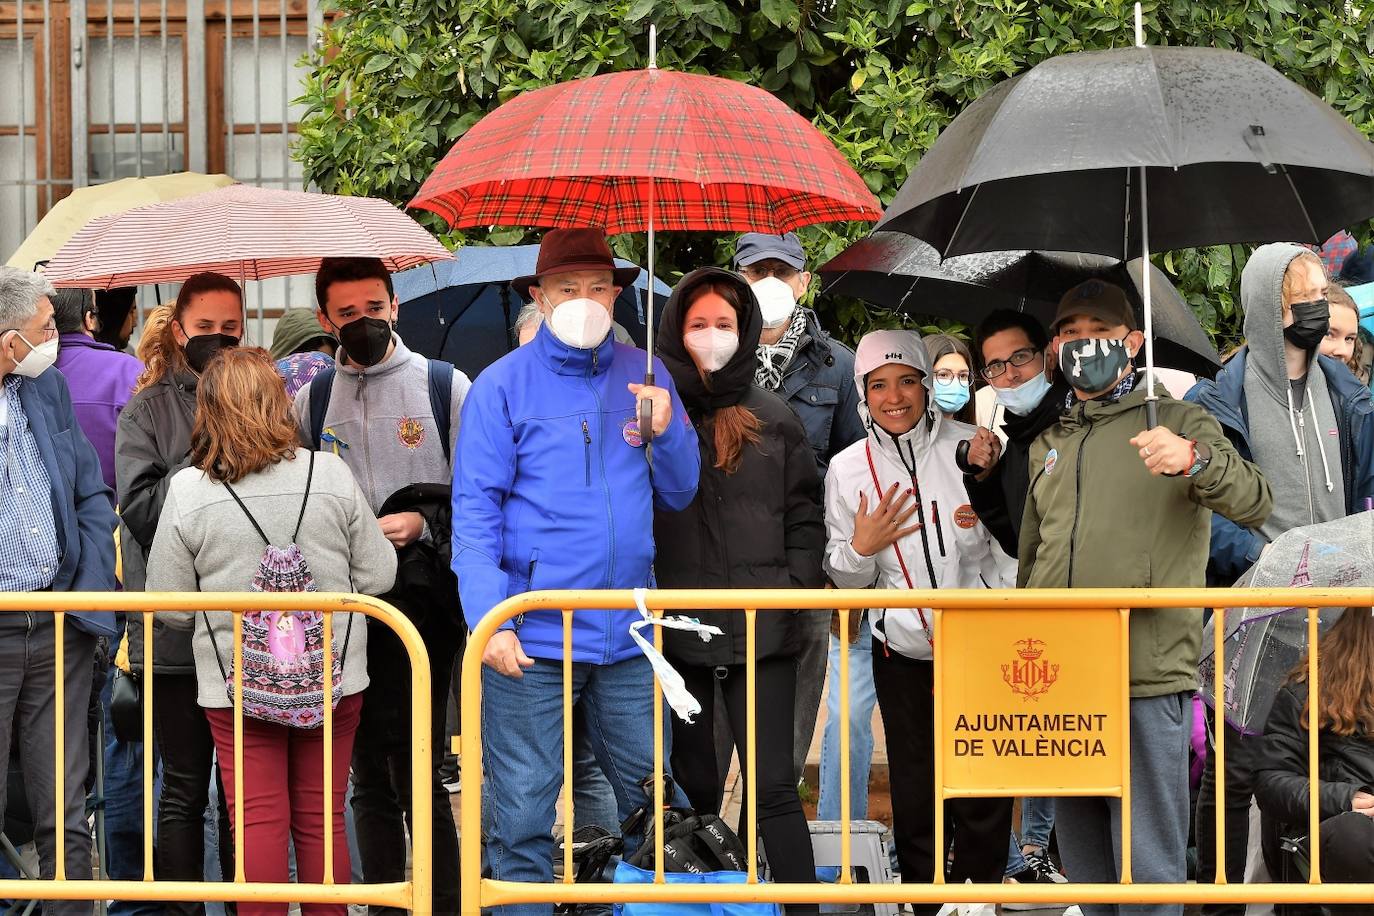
{"x": 440, "y": 401}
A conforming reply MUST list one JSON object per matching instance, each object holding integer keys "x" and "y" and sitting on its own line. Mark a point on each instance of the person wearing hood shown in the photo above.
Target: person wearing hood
{"x": 567, "y": 401}
{"x": 392, "y": 416}
{"x": 812, "y": 372}
{"x": 896, "y": 517}
{"x": 1113, "y": 504}
{"x": 153, "y": 443}
{"x": 755, "y": 523}
{"x": 1308, "y": 424}
{"x": 301, "y": 348}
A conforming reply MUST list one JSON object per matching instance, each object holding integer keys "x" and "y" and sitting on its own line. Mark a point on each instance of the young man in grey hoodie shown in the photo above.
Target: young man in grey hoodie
{"x": 1309, "y": 425}
{"x": 379, "y": 415}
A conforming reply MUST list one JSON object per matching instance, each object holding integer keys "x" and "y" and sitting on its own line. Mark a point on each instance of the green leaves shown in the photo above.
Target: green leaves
{"x": 402, "y": 81}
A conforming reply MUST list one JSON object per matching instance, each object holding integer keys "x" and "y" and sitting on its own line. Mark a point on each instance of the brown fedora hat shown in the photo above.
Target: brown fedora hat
{"x": 566, "y": 250}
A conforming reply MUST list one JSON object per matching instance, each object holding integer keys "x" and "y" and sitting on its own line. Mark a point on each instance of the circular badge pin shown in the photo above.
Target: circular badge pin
{"x": 1051, "y": 460}
{"x": 629, "y": 431}
{"x": 965, "y": 517}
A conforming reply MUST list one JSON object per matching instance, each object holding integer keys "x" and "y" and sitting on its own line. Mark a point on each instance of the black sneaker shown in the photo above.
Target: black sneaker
{"x": 1041, "y": 863}
{"x": 1033, "y": 875}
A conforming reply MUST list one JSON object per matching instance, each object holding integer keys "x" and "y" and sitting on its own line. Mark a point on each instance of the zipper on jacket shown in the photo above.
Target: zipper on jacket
{"x": 606, "y": 493}
{"x": 939, "y": 532}
{"x": 359, "y": 395}
{"x": 1078, "y": 490}
{"x": 1307, "y": 466}
{"x": 587, "y": 450}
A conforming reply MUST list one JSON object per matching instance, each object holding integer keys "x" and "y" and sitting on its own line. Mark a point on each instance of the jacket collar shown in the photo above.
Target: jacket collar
{"x": 910, "y": 448}
{"x": 566, "y": 360}
{"x": 77, "y": 339}
{"x": 400, "y": 355}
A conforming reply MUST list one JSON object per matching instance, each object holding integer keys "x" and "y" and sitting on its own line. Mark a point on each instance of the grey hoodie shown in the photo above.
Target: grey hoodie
{"x": 386, "y": 429}
{"x": 1298, "y": 450}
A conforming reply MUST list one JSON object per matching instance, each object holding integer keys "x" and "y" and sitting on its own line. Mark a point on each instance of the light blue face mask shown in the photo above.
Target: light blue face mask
{"x": 1025, "y": 397}
{"x": 951, "y": 396}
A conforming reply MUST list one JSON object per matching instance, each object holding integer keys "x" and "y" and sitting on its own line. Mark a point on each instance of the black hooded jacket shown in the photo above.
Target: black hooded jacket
{"x": 760, "y": 527}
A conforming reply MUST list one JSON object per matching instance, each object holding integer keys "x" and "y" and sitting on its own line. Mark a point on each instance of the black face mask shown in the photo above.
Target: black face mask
{"x": 365, "y": 340}
{"x": 1311, "y": 320}
{"x": 203, "y": 347}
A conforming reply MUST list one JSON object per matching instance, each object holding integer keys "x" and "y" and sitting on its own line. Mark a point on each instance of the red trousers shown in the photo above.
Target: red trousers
{"x": 283, "y": 799}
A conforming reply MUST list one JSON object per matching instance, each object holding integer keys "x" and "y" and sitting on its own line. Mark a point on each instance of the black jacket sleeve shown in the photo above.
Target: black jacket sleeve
{"x": 989, "y": 502}
{"x": 804, "y": 518}
{"x": 141, "y": 474}
{"x": 1281, "y": 783}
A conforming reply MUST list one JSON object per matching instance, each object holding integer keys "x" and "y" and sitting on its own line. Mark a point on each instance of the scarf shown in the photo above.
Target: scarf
{"x": 775, "y": 358}
{"x": 1123, "y": 388}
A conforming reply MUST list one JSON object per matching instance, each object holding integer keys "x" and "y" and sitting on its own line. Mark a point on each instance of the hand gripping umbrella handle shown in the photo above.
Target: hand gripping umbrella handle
{"x": 646, "y": 413}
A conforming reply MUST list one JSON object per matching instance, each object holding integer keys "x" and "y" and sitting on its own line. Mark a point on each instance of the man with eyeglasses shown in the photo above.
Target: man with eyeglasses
{"x": 56, "y": 534}
{"x": 814, "y": 374}
{"x": 1010, "y": 347}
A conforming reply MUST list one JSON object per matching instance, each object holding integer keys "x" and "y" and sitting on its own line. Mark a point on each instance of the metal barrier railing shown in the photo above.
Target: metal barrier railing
{"x": 479, "y": 892}
{"x": 414, "y": 894}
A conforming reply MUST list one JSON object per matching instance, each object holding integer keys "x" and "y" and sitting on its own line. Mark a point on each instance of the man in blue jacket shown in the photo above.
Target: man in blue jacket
{"x": 525, "y": 519}
{"x": 1309, "y": 425}
{"x": 56, "y": 534}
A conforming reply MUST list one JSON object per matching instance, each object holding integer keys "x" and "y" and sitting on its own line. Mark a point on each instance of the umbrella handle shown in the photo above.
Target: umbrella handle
{"x": 1151, "y": 413}
{"x": 646, "y": 413}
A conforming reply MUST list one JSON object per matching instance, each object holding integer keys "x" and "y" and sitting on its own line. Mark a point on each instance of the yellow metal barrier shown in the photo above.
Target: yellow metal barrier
{"x": 478, "y": 892}
{"x": 414, "y": 894}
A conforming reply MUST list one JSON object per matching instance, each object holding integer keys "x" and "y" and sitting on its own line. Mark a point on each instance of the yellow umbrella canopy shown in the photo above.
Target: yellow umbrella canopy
{"x": 77, "y": 209}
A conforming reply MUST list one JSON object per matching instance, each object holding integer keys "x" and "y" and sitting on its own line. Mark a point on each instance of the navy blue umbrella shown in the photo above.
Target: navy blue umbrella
{"x": 462, "y": 310}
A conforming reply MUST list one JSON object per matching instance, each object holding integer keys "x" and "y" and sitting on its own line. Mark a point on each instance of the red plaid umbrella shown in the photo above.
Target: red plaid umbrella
{"x": 241, "y": 231}
{"x": 722, "y": 155}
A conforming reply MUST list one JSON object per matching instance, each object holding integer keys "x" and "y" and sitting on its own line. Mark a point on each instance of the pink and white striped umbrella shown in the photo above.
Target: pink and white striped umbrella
{"x": 243, "y": 232}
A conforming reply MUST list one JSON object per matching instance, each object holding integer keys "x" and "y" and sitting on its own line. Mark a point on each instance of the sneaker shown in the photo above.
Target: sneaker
{"x": 1031, "y": 876}
{"x": 1040, "y": 862}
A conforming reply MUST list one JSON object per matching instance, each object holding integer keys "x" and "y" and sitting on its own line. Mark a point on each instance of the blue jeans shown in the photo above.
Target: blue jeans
{"x": 522, "y": 749}
{"x": 1037, "y": 820}
{"x": 862, "y": 698}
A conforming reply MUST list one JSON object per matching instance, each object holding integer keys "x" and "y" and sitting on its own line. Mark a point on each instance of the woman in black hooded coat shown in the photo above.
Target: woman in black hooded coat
{"x": 756, "y": 522}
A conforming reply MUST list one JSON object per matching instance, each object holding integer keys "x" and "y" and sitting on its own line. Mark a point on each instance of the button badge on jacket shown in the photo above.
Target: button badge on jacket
{"x": 629, "y": 431}
{"x": 411, "y": 432}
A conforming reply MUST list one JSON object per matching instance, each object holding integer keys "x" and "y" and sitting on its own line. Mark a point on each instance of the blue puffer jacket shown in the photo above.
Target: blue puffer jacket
{"x": 1236, "y": 549}
{"x": 550, "y": 493}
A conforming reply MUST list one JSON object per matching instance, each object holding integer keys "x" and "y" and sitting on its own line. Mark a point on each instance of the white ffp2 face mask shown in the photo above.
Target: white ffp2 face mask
{"x": 580, "y": 323}
{"x": 777, "y": 302}
{"x": 711, "y": 347}
{"x": 39, "y": 360}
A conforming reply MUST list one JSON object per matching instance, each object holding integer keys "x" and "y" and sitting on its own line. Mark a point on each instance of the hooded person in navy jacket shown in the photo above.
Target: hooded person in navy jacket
{"x": 56, "y": 534}
{"x": 525, "y": 520}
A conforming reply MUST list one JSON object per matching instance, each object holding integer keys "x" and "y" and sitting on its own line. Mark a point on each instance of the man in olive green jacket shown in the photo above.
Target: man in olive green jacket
{"x": 1112, "y": 504}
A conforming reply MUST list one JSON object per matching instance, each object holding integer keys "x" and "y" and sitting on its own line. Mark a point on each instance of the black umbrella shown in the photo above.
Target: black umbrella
{"x": 1117, "y": 152}
{"x": 905, "y": 274}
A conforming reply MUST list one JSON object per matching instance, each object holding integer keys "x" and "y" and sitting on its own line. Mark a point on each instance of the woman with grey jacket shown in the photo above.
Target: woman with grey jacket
{"x": 227, "y": 525}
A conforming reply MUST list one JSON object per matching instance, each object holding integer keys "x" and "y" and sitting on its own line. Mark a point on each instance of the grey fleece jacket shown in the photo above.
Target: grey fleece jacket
{"x": 205, "y": 543}
{"x": 1297, "y": 449}
{"x": 384, "y": 425}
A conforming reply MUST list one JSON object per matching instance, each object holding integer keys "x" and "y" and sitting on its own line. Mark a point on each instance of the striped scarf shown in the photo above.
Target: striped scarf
{"x": 775, "y": 358}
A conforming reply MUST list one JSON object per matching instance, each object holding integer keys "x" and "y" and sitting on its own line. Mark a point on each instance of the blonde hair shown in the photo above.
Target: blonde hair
{"x": 243, "y": 418}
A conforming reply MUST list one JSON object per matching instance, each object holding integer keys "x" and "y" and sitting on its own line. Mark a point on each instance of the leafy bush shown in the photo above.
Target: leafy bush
{"x": 400, "y": 80}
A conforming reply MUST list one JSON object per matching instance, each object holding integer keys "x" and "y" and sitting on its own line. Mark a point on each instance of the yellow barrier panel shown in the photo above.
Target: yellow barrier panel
{"x": 414, "y": 895}
{"x": 1031, "y": 606}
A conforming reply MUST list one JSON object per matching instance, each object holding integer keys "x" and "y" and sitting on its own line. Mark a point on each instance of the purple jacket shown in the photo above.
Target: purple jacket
{"x": 101, "y": 380}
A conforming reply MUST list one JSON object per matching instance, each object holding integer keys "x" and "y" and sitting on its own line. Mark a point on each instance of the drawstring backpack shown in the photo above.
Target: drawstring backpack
{"x": 283, "y": 651}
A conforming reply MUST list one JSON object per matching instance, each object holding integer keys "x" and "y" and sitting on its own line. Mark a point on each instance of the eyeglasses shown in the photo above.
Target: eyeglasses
{"x": 949, "y": 375}
{"x": 49, "y": 331}
{"x": 756, "y": 272}
{"x": 998, "y": 366}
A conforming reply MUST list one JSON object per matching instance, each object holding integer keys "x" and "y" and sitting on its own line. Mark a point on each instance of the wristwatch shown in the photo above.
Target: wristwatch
{"x": 1202, "y": 456}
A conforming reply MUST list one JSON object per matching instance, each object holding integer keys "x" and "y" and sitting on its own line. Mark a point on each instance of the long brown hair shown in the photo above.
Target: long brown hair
{"x": 243, "y": 418}
{"x": 1345, "y": 701}
{"x": 732, "y": 427}
{"x": 158, "y": 348}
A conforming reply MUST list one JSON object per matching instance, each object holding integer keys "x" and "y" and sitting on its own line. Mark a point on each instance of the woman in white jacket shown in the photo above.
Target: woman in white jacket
{"x": 897, "y": 516}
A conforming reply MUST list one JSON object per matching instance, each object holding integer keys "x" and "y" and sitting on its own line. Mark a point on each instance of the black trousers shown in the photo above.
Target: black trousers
{"x": 977, "y": 827}
{"x": 782, "y": 823}
{"x": 1240, "y": 787}
{"x": 188, "y": 750}
{"x": 381, "y": 770}
{"x": 1347, "y": 858}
